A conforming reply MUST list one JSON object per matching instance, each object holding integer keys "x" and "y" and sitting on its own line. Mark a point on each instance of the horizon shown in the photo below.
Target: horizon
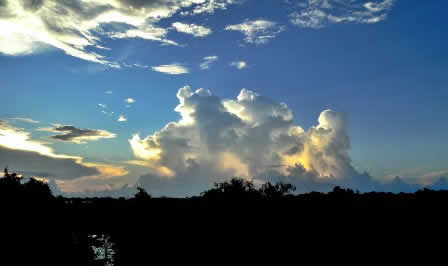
{"x": 174, "y": 96}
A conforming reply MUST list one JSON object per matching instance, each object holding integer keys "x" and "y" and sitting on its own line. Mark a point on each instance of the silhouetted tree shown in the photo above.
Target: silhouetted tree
{"x": 142, "y": 195}
{"x": 276, "y": 191}
{"x": 236, "y": 188}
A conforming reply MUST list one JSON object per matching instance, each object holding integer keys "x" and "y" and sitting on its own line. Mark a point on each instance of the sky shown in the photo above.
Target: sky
{"x": 173, "y": 95}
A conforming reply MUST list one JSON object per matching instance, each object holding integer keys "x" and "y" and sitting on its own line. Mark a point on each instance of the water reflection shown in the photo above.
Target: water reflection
{"x": 103, "y": 249}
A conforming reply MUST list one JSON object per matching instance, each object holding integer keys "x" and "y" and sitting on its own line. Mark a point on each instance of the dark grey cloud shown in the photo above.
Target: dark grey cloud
{"x": 80, "y": 136}
{"x": 29, "y": 162}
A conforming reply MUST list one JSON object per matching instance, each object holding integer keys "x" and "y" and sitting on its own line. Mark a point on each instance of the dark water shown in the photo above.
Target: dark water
{"x": 103, "y": 249}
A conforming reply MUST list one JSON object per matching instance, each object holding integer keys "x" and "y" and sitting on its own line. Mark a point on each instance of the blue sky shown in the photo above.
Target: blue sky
{"x": 379, "y": 64}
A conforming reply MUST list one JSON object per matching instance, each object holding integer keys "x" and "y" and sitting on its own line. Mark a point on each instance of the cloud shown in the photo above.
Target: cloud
{"x": 239, "y": 64}
{"x": 29, "y": 157}
{"x": 80, "y": 27}
{"x": 109, "y": 177}
{"x": 25, "y": 120}
{"x": 107, "y": 113}
{"x": 101, "y": 105}
{"x": 20, "y": 153}
{"x": 209, "y": 7}
{"x": 250, "y": 136}
{"x": 122, "y": 118}
{"x": 77, "y": 135}
{"x": 208, "y": 60}
{"x": 258, "y": 31}
{"x": 192, "y": 29}
{"x": 172, "y": 69}
{"x": 129, "y": 100}
{"x": 317, "y": 14}
{"x": 108, "y": 92}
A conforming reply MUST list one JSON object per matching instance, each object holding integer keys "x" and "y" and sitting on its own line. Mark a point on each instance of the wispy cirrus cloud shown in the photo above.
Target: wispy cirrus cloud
{"x": 78, "y": 27}
{"x": 192, "y": 29}
{"x": 208, "y": 60}
{"x": 25, "y": 120}
{"x": 171, "y": 69}
{"x": 257, "y": 31}
{"x": 317, "y": 14}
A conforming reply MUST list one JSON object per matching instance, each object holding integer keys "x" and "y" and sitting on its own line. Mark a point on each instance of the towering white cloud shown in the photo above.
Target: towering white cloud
{"x": 319, "y": 13}
{"x": 249, "y": 136}
{"x": 258, "y": 31}
{"x": 192, "y": 29}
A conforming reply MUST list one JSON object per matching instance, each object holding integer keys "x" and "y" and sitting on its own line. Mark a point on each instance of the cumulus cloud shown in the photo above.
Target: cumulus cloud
{"x": 102, "y": 105}
{"x": 239, "y": 64}
{"x": 250, "y": 136}
{"x": 122, "y": 118}
{"x": 208, "y": 60}
{"x": 258, "y": 31}
{"x": 129, "y": 100}
{"x": 171, "y": 69}
{"x": 319, "y": 13}
{"x": 78, "y": 135}
{"x": 79, "y": 27}
{"x": 192, "y": 29}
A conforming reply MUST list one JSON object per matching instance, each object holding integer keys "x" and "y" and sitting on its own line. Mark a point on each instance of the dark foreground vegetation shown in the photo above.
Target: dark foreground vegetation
{"x": 234, "y": 216}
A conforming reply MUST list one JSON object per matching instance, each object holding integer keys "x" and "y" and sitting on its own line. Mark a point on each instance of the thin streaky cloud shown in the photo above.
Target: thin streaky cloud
{"x": 208, "y": 60}
{"x": 316, "y": 14}
{"x": 25, "y": 119}
{"x": 171, "y": 69}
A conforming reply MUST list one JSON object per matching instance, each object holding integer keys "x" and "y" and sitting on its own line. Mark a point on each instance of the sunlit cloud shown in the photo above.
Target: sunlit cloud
{"x": 208, "y": 60}
{"x": 78, "y": 27}
{"x": 248, "y": 136}
{"x": 239, "y": 65}
{"x": 258, "y": 31}
{"x": 129, "y": 100}
{"x": 192, "y": 29}
{"x": 122, "y": 118}
{"x": 78, "y": 135}
{"x": 172, "y": 69}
